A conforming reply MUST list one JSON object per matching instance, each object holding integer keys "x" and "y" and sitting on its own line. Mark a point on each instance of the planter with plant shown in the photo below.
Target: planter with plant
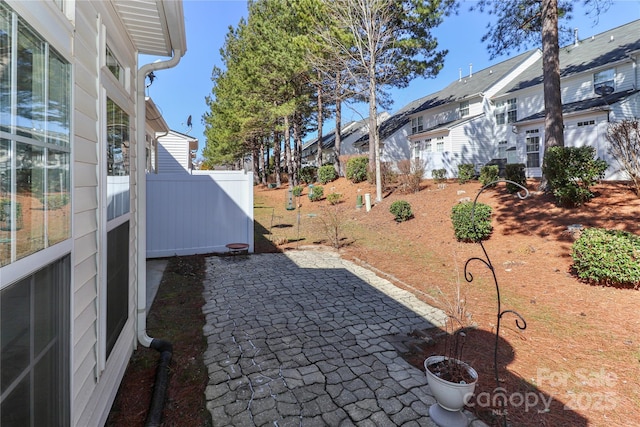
{"x": 451, "y": 380}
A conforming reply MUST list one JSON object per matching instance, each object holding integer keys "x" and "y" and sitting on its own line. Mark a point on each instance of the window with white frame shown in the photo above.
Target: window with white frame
{"x": 114, "y": 66}
{"x": 464, "y": 108}
{"x": 35, "y": 197}
{"x": 586, "y": 123}
{"x": 506, "y": 111}
{"x": 533, "y": 148}
{"x": 502, "y": 149}
{"x": 416, "y": 125}
{"x": 427, "y": 145}
{"x": 440, "y": 144}
{"x": 35, "y": 150}
{"x": 602, "y": 79}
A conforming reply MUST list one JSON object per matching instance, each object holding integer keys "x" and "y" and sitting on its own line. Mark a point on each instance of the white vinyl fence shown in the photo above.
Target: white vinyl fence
{"x": 199, "y": 213}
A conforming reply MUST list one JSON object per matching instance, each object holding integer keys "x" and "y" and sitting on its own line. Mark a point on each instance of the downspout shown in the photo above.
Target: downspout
{"x": 165, "y": 348}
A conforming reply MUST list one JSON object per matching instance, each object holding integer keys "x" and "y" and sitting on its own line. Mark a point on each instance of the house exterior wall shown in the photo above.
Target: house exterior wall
{"x": 80, "y": 34}
{"x": 174, "y": 155}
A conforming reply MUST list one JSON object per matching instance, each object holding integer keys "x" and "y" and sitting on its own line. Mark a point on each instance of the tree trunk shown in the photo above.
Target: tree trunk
{"x": 277, "y": 150}
{"x": 255, "y": 157}
{"x": 297, "y": 151}
{"x": 262, "y": 170}
{"x": 374, "y": 138}
{"x": 287, "y": 151}
{"x": 320, "y": 113}
{"x": 338, "y": 140}
{"x": 553, "y": 121}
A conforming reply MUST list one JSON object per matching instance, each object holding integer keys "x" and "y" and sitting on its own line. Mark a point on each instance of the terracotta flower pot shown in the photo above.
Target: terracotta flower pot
{"x": 451, "y": 396}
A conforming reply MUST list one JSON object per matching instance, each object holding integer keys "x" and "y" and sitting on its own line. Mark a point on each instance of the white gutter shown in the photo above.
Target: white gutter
{"x": 141, "y": 197}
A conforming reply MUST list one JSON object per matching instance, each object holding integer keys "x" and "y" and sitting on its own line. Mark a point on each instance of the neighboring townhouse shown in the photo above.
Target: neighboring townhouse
{"x": 599, "y": 84}
{"x": 72, "y": 224}
{"x": 176, "y": 152}
{"x": 456, "y": 125}
{"x": 350, "y": 133}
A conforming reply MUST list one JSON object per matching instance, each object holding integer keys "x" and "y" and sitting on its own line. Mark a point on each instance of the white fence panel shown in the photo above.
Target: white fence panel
{"x": 199, "y": 213}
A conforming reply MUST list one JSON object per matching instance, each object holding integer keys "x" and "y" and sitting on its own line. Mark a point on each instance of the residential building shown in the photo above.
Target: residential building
{"x": 176, "y": 152}
{"x": 72, "y": 202}
{"x": 501, "y": 116}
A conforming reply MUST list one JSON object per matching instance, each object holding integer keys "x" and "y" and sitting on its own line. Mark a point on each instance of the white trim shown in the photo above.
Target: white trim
{"x": 28, "y": 265}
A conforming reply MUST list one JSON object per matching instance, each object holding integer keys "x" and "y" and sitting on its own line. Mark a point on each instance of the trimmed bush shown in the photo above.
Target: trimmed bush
{"x": 488, "y": 174}
{"x": 571, "y": 171}
{"x": 316, "y": 193}
{"x": 608, "y": 257}
{"x": 308, "y": 174}
{"x": 466, "y": 172}
{"x": 326, "y": 174}
{"x": 334, "y": 198}
{"x": 357, "y": 169}
{"x": 515, "y": 172}
{"x": 439, "y": 175}
{"x": 401, "y": 210}
{"x": 462, "y": 226}
{"x": 297, "y": 191}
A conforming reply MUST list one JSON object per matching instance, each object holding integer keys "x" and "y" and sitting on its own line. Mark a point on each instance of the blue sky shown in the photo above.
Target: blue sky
{"x": 181, "y": 91}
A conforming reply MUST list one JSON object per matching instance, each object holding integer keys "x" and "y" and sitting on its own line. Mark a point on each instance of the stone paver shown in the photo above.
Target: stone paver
{"x": 297, "y": 339}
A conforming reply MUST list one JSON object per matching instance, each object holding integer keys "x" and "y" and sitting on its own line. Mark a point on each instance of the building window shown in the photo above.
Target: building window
{"x": 117, "y": 283}
{"x": 34, "y": 348}
{"x": 502, "y": 149}
{"x": 114, "y": 66}
{"x": 440, "y": 144}
{"x": 533, "y": 148}
{"x": 586, "y": 123}
{"x": 464, "y": 108}
{"x": 427, "y": 145}
{"x": 35, "y": 153}
{"x": 416, "y": 125}
{"x": 506, "y": 111}
{"x": 118, "y": 145}
{"x": 603, "y": 79}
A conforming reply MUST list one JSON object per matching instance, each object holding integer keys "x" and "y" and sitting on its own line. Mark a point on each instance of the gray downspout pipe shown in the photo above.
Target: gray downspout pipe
{"x": 165, "y": 348}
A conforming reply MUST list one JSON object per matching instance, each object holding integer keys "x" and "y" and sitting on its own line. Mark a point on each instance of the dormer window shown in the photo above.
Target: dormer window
{"x": 603, "y": 82}
{"x": 464, "y": 108}
{"x": 416, "y": 125}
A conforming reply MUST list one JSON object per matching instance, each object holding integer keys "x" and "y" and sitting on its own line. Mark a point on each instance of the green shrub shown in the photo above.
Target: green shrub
{"x": 308, "y": 174}
{"x": 326, "y": 174}
{"x": 334, "y": 198}
{"x": 489, "y": 174}
{"x": 515, "y": 172}
{"x": 609, "y": 257}
{"x": 316, "y": 193}
{"x": 401, "y": 210}
{"x": 466, "y": 172}
{"x": 571, "y": 171}
{"x": 297, "y": 191}
{"x": 462, "y": 226}
{"x": 357, "y": 169}
{"x": 439, "y": 175}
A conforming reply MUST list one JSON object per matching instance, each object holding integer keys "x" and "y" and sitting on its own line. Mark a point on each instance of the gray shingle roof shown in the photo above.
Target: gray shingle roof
{"x": 602, "y": 49}
{"x": 459, "y": 90}
{"x": 597, "y": 103}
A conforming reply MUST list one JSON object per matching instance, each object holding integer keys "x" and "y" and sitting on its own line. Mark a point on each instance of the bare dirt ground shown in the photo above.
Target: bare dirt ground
{"x": 577, "y": 361}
